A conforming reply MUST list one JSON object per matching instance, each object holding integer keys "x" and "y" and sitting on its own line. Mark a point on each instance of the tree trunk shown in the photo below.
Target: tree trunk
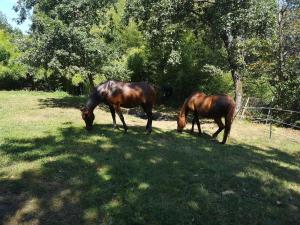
{"x": 232, "y": 53}
{"x": 46, "y": 79}
{"x": 280, "y": 56}
{"x": 91, "y": 81}
{"x": 280, "y": 36}
{"x": 238, "y": 89}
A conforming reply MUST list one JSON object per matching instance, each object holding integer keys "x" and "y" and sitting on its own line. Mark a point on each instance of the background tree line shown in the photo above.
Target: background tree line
{"x": 244, "y": 47}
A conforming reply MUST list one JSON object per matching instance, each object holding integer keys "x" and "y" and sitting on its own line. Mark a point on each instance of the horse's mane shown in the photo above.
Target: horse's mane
{"x": 94, "y": 98}
{"x": 183, "y": 107}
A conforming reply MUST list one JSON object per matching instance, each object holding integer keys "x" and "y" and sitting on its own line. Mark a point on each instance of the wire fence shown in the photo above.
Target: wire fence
{"x": 269, "y": 116}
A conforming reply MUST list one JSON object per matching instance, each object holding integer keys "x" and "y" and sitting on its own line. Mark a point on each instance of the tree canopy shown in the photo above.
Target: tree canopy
{"x": 245, "y": 47}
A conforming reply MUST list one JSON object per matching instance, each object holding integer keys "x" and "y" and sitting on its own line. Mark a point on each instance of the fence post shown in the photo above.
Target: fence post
{"x": 270, "y": 129}
{"x": 270, "y": 118}
{"x": 244, "y": 108}
{"x": 269, "y": 112}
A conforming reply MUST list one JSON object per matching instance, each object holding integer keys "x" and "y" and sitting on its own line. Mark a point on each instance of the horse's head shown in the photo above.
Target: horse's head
{"x": 181, "y": 122}
{"x": 88, "y": 117}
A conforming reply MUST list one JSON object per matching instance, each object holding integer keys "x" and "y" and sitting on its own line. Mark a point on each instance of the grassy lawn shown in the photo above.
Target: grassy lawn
{"x": 52, "y": 171}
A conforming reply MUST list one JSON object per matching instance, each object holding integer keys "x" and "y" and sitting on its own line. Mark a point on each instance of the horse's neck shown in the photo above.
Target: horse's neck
{"x": 184, "y": 109}
{"x": 91, "y": 104}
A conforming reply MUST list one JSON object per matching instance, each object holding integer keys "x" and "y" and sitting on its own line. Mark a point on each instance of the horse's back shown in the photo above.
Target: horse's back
{"x": 129, "y": 94}
{"x": 222, "y": 104}
{"x": 211, "y": 106}
{"x": 144, "y": 89}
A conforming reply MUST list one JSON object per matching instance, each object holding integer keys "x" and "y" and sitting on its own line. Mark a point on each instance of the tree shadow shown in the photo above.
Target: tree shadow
{"x": 110, "y": 177}
{"x": 78, "y": 101}
{"x": 63, "y": 102}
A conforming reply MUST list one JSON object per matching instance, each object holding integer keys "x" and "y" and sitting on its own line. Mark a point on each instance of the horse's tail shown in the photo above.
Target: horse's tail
{"x": 230, "y": 115}
{"x": 154, "y": 90}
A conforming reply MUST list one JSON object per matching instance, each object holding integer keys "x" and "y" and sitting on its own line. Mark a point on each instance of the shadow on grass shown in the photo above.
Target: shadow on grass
{"x": 64, "y": 102}
{"x": 108, "y": 177}
{"x": 78, "y": 101}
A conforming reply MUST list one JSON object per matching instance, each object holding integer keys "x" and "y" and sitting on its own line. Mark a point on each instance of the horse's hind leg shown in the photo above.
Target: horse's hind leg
{"x": 119, "y": 112}
{"x": 113, "y": 115}
{"x": 227, "y": 129}
{"x": 148, "y": 111}
{"x": 221, "y": 127}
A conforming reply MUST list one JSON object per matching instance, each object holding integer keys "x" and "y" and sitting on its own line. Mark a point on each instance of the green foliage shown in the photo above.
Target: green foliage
{"x": 136, "y": 61}
{"x": 61, "y": 38}
{"x": 4, "y": 25}
{"x": 117, "y": 70}
{"x": 12, "y": 71}
{"x": 216, "y": 81}
{"x": 4, "y": 55}
{"x": 190, "y": 45}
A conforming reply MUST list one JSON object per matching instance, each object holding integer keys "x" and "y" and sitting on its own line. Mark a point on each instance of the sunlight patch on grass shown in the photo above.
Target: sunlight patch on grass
{"x": 284, "y": 164}
{"x": 103, "y": 171}
{"x": 113, "y": 204}
{"x": 155, "y": 160}
{"x": 193, "y": 205}
{"x": 57, "y": 203}
{"x": 127, "y": 155}
{"x": 203, "y": 192}
{"x": 143, "y": 186}
{"x": 15, "y": 170}
{"x": 27, "y": 210}
{"x": 106, "y": 147}
{"x": 91, "y": 215}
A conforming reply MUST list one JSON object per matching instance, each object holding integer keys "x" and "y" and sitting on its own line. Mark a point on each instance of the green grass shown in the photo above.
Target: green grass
{"x": 52, "y": 171}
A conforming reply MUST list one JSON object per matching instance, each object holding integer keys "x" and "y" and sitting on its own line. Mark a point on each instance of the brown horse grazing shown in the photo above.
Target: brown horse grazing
{"x": 117, "y": 94}
{"x": 214, "y": 107}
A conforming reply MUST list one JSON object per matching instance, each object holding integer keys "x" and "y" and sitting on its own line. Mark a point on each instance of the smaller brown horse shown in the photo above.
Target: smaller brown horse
{"x": 214, "y": 107}
{"x": 117, "y": 94}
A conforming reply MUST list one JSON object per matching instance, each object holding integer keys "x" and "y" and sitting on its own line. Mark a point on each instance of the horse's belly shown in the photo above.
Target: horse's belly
{"x": 205, "y": 115}
{"x": 129, "y": 105}
{"x": 211, "y": 114}
{"x": 132, "y": 102}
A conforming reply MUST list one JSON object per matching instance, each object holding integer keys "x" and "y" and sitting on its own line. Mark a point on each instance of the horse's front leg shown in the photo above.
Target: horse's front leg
{"x": 196, "y": 120}
{"x": 119, "y": 112}
{"x": 198, "y": 125}
{"x": 193, "y": 124}
{"x": 113, "y": 115}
